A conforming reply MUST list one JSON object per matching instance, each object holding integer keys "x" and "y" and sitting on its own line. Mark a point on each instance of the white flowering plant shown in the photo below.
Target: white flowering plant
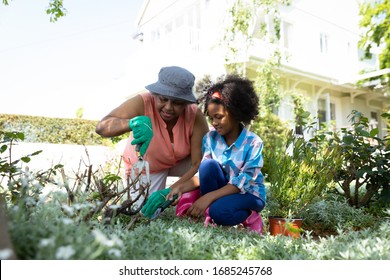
{"x": 53, "y": 228}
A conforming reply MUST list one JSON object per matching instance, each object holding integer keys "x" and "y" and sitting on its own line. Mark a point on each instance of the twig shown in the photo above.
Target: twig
{"x": 66, "y": 185}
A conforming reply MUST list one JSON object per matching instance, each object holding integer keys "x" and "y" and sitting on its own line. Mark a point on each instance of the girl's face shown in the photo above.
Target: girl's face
{"x": 223, "y": 122}
{"x": 169, "y": 109}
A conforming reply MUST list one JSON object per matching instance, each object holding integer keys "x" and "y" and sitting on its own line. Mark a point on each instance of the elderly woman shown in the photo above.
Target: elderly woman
{"x": 166, "y": 124}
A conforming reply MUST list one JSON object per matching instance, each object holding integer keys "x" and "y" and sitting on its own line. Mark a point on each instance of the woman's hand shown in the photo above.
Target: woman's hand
{"x": 142, "y": 132}
{"x": 174, "y": 190}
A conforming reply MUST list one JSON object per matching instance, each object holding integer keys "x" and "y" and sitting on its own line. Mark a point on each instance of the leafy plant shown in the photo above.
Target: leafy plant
{"x": 50, "y": 234}
{"x": 13, "y": 178}
{"x": 105, "y": 191}
{"x": 366, "y": 160}
{"x": 272, "y": 131}
{"x": 299, "y": 174}
{"x": 327, "y": 216}
{"x": 56, "y": 9}
{"x": 267, "y": 83}
{"x": 56, "y": 231}
{"x": 49, "y": 227}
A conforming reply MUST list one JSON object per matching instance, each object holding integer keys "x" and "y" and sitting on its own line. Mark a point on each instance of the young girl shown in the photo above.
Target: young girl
{"x": 230, "y": 179}
{"x": 229, "y": 186}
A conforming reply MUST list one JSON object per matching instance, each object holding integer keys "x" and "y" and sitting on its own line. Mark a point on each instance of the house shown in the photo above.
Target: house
{"x": 318, "y": 42}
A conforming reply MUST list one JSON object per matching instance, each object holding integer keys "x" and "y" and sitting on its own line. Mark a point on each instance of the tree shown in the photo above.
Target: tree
{"x": 375, "y": 21}
{"x": 55, "y": 9}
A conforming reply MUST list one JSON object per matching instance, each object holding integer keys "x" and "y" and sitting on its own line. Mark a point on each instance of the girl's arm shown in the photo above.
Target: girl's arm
{"x": 187, "y": 182}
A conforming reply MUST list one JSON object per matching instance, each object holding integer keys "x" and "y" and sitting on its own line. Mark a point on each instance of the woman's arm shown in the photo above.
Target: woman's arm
{"x": 186, "y": 182}
{"x": 117, "y": 121}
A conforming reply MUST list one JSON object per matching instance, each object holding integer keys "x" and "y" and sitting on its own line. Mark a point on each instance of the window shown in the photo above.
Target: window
{"x": 373, "y": 120}
{"x": 322, "y": 111}
{"x": 155, "y": 35}
{"x": 168, "y": 28}
{"x": 193, "y": 14}
{"x": 287, "y": 29}
{"x": 179, "y": 21}
{"x": 180, "y": 29}
{"x": 324, "y": 43}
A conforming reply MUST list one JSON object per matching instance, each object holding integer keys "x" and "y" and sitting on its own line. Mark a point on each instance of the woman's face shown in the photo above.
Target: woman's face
{"x": 222, "y": 120}
{"x": 169, "y": 109}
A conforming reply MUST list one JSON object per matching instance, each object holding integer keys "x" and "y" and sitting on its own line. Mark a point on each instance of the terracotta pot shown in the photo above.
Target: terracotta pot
{"x": 277, "y": 225}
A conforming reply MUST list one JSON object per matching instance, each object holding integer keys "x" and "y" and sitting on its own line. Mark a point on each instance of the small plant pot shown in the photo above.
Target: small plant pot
{"x": 286, "y": 227}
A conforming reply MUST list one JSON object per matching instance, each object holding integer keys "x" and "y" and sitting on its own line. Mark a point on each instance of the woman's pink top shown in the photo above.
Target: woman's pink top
{"x": 161, "y": 153}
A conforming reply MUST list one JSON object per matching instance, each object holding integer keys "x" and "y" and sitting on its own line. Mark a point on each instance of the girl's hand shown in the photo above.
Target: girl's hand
{"x": 199, "y": 207}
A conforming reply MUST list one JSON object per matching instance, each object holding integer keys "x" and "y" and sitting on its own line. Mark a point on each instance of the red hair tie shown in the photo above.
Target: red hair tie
{"x": 217, "y": 95}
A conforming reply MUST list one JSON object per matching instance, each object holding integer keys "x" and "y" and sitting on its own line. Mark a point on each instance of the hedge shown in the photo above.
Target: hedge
{"x": 55, "y": 130}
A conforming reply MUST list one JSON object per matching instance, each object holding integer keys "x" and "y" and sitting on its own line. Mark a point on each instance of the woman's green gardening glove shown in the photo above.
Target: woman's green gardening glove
{"x": 154, "y": 201}
{"x": 142, "y": 132}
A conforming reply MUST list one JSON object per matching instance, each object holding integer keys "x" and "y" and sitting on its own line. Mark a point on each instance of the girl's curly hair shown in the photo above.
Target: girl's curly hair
{"x": 238, "y": 96}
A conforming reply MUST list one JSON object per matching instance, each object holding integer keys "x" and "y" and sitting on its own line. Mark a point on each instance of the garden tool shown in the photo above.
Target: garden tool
{"x": 163, "y": 206}
{"x": 140, "y": 171}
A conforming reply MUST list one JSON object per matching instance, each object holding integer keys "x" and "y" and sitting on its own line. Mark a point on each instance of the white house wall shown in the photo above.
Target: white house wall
{"x": 190, "y": 34}
{"x": 338, "y": 20}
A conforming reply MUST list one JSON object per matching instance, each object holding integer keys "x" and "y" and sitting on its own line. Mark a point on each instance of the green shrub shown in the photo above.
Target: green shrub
{"x": 53, "y": 231}
{"x": 47, "y": 225}
{"x": 366, "y": 161}
{"x": 50, "y": 234}
{"x": 55, "y": 130}
{"x": 299, "y": 174}
{"x": 272, "y": 130}
{"x": 368, "y": 244}
{"x": 13, "y": 179}
{"x": 331, "y": 214}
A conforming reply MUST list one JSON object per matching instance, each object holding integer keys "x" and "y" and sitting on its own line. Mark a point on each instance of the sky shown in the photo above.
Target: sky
{"x": 80, "y": 61}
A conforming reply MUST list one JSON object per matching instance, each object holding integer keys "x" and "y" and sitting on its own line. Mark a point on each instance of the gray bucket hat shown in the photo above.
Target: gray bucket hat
{"x": 174, "y": 82}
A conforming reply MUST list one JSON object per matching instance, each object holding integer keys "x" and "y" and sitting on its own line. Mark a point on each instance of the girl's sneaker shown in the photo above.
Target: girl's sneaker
{"x": 207, "y": 219}
{"x": 254, "y": 222}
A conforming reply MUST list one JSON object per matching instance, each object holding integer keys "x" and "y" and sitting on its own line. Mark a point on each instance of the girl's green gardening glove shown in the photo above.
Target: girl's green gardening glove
{"x": 142, "y": 132}
{"x": 154, "y": 201}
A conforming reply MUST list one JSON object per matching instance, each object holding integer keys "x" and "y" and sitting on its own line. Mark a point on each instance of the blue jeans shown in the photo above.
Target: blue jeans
{"x": 229, "y": 210}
